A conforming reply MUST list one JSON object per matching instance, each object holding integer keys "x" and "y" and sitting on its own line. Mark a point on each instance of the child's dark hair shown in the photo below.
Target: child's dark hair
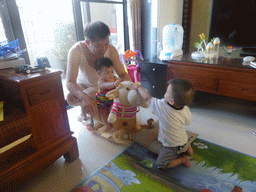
{"x": 96, "y": 30}
{"x": 183, "y": 91}
{"x": 104, "y": 62}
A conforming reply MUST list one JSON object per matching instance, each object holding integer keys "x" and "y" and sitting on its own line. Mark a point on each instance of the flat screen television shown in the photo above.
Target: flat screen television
{"x": 233, "y": 22}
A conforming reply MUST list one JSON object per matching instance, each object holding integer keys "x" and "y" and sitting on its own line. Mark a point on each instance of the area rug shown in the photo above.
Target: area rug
{"x": 214, "y": 168}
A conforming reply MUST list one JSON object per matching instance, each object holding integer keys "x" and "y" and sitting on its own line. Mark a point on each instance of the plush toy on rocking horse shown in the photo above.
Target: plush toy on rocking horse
{"x": 123, "y": 114}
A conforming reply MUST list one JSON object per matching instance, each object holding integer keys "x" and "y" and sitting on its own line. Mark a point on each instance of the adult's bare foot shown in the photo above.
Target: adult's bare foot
{"x": 83, "y": 116}
{"x": 109, "y": 127}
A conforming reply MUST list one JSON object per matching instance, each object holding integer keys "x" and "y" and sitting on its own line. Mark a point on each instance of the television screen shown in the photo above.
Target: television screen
{"x": 233, "y": 22}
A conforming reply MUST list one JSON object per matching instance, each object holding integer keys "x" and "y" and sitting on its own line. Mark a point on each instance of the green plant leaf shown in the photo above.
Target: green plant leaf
{"x": 64, "y": 39}
{"x": 196, "y": 44}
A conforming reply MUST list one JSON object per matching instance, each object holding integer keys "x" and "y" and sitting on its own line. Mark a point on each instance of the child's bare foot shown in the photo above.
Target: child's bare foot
{"x": 83, "y": 117}
{"x": 89, "y": 127}
{"x": 186, "y": 161}
{"x": 109, "y": 126}
{"x": 97, "y": 125}
{"x": 190, "y": 151}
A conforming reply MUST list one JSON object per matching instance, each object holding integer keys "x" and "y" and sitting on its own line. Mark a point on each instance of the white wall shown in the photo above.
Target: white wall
{"x": 169, "y": 11}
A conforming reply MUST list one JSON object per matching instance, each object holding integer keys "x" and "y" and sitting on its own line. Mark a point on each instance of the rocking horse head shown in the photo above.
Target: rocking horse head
{"x": 127, "y": 98}
{"x": 124, "y": 109}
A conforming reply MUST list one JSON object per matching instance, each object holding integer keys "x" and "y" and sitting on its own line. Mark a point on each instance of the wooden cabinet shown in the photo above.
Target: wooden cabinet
{"x": 33, "y": 104}
{"x": 202, "y": 79}
{"x": 224, "y": 76}
{"x": 154, "y": 76}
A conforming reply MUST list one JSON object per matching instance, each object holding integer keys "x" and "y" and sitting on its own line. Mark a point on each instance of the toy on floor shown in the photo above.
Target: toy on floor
{"x": 132, "y": 69}
{"x": 123, "y": 114}
{"x": 237, "y": 189}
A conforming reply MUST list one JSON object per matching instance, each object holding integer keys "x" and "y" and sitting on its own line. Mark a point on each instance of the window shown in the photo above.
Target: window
{"x": 6, "y": 31}
{"x": 37, "y": 24}
{"x": 48, "y": 32}
{"x": 2, "y": 32}
{"x": 113, "y": 13}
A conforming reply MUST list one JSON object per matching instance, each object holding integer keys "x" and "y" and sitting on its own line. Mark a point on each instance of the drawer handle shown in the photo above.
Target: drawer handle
{"x": 153, "y": 86}
{"x": 45, "y": 92}
{"x": 153, "y": 69}
{"x": 246, "y": 90}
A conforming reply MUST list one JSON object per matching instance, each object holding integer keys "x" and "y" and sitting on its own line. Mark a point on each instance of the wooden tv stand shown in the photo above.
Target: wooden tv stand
{"x": 225, "y": 75}
{"x": 33, "y": 105}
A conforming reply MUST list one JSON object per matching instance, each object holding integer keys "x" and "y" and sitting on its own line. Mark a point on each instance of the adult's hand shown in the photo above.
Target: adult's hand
{"x": 89, "y": 105}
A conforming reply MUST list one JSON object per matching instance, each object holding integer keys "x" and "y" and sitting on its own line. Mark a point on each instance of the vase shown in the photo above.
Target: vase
{"x": 198, "y": 55}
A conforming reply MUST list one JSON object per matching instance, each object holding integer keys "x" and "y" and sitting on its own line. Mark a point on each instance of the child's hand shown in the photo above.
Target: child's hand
{"x": 136, "y": 86}
{"x": 117, "y": 82}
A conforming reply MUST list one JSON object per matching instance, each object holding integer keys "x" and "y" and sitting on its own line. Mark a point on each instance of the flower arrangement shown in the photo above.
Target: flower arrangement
{"x": 208, "y": 49}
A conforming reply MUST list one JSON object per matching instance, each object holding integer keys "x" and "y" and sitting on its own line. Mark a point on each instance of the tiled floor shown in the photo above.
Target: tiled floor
{"x": 225, "y": 121}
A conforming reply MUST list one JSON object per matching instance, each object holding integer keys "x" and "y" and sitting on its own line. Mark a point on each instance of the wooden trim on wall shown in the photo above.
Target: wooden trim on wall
{"x": 186, "y": 24}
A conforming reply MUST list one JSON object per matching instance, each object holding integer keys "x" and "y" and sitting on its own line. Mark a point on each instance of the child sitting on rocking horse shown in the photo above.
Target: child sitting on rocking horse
{"x": 106, "y": 83}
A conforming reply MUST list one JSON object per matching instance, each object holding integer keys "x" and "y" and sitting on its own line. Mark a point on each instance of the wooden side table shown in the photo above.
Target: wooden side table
{"x": 33, "y": 104}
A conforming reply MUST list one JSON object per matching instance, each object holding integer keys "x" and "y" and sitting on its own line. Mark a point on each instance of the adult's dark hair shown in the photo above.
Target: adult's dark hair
{"x": 182, "y": 91}
{"x": 103, "y": 62}
{"x": 96, "y": 30}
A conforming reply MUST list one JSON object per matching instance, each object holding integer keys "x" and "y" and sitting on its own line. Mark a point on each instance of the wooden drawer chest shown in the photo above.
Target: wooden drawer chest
{"x": 154, "y": 76}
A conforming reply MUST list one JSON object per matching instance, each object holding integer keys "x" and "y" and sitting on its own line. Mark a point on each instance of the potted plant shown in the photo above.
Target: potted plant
{"x": 64, "y": 39}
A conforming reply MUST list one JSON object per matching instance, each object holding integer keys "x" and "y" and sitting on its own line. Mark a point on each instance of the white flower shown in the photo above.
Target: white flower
{"x": 209, "y": 46}
{"x": 216, "y": 41}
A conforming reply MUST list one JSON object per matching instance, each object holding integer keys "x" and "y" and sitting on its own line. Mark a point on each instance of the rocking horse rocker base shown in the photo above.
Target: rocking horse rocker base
{"x": 120, "y": 136}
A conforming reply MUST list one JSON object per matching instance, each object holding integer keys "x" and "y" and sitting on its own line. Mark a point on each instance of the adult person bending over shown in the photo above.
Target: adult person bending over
{"x": 82, "y": 78}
